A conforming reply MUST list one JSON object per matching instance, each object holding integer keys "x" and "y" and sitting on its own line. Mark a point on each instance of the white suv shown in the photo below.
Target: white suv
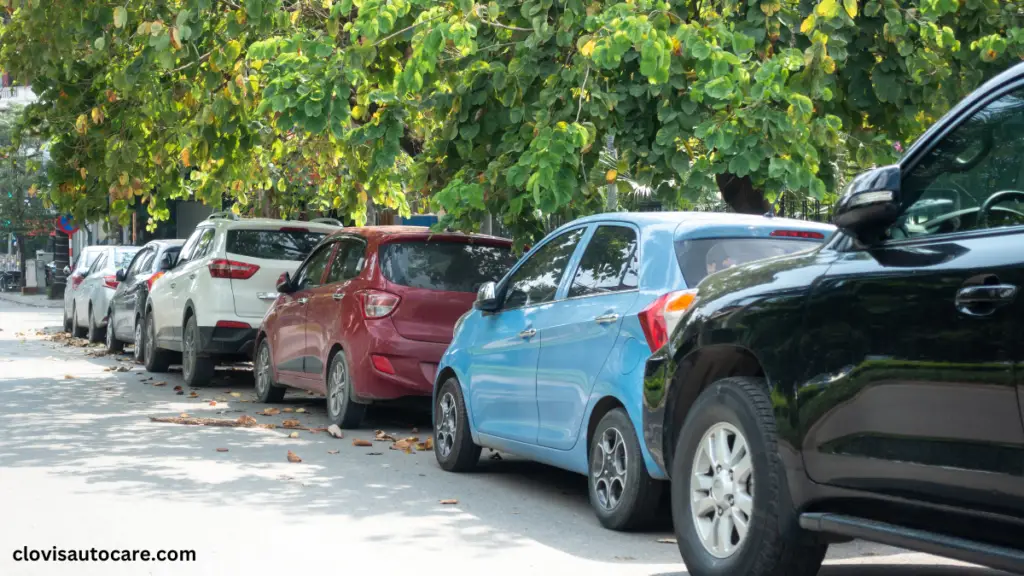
{"x": 210, "y": 305}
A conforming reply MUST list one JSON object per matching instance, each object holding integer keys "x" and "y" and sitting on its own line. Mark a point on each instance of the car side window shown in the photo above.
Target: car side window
{"x": 536, "y": 280}
{"x": 139, "y": 263}
{"x": 312, "y": 271}
{"x": 973, "y": 179}
{"x": 147, "y": 264}
{"x": 204, "y": 244}
{"x": 98, "y": 263}
{"x": 190, "y": 246}
{"x": 610, "y": 263}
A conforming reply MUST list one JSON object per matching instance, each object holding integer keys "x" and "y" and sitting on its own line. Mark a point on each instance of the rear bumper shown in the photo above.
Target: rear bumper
{"x": 415, "y": 363}
{"x": 214, "y": 340}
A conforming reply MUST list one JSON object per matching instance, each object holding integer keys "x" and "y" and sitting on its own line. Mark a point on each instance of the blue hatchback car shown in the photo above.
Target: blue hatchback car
{"x": 549, "y": 364}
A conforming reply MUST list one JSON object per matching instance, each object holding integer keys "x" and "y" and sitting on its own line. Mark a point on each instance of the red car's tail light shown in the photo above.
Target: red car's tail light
{"x": 798, "y": 234}
{"x": 660, "y": 318}
{"x": 221, "y": 268}
{"x": 382, "y": 364}
{"x": 377, "y": 304}
{"x": 152, "y": 279}
{"x": 110, "y": 281}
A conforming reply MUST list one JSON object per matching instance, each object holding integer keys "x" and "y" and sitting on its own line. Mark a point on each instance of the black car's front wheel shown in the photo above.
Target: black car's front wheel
{"x": 622, "y": 494}
{"x": 731, "y": 506}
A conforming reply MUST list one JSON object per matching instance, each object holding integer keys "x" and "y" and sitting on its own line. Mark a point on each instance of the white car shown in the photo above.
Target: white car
{"x": 210, "y": 304}
{"x": 75, "y": 274}
{"x": 92, "y": 287}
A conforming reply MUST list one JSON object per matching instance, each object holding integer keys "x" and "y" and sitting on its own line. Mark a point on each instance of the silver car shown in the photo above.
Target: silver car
{"x": 90, "y": 298}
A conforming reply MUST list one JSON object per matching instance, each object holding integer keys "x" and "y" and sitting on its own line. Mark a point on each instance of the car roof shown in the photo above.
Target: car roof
{"x": 166, "y": 243}
{"x": 387, "y": 233}
{"x": 258, "y": 223}
{"x": 696, "y": 224}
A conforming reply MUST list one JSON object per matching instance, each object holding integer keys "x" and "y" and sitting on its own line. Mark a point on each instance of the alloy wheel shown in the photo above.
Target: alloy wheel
{"x": 608, "y": 467}
{"x": 139, "y": 346}
{"x": 110, "y": 333}
{"x": 150, "y": 339}
{"x": 338, "y": 387}
{"x": 447, "y": 424}
{"x": 188, "y": 360}
{"x": 722, "y": 490}
{"x": 263, "y": 370}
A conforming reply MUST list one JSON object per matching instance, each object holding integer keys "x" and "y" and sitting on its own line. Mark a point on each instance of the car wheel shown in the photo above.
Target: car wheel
{"x": 93, "y": 331}
{"x": 266, "y": 389}
{"x": 114, "y": 345}
{"x": 140, "y": 340}
{"x": 196, "y": 369}
{"x": 76, "y": 330}
{"x": 731, "y": 506}
{"x": 67, "y": 321}
{"x": 341, "y": 409}
{"x": 622, "y": 494}
{"x": 155, "y": 359}
{"x": 453, "y": 442}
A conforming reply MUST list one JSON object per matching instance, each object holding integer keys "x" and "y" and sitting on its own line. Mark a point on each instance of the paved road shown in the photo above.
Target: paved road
{"x": 82, "y": 466}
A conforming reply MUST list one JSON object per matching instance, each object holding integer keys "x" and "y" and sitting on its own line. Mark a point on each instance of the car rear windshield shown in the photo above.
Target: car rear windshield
{"x": 273, "y": 244}
{"x": 123, "y": 257}
{"x": 449, "y": 266}
{"x": 698, "y": 258}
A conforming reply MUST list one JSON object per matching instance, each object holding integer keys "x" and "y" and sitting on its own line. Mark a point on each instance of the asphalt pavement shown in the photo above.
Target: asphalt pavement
{"x": 82, "y": 466}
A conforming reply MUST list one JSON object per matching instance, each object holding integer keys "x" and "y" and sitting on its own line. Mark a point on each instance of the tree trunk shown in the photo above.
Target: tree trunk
{"x": 741, "y": 196}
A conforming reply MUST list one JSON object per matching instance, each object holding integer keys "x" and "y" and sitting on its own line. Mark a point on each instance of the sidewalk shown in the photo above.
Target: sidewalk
{"x": 37, "y": 300}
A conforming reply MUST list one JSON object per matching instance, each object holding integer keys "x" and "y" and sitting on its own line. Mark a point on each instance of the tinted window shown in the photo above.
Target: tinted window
{"x": 698, "y": 258}
{"x": 273, "y": 244}
{"x": 167, "y": 260}
{"x": 140, "y": 263}
{"x": 98, "y": 263}
{"x": 955, "y": 186}
{"x": 190, "y": 245}
{"x": 609, "y": 264}
{"x": 203, "y": 246}
{"x": 536, "y": 281}
{"x": 348, "y": 262}
{"x": 313, "y": 269}
{"x": 448, "y": 266}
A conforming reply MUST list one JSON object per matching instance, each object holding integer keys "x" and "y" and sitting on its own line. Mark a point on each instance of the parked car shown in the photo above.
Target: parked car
{"x": 128, "y": 304}
{"x": 75, "y": 274}
{"x": 549, "y": 365}
{"x": 10, "y": 280}
{"x": 209, "y": 305}
{"x": 868, "y": 389}
{"x": 369, "y": 314}
{"x": 95, "y": 286}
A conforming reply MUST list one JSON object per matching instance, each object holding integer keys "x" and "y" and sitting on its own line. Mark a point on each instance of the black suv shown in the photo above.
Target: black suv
{"x": 870, "y": 388}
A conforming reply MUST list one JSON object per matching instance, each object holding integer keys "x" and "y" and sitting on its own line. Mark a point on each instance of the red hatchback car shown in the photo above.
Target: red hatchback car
{"x": 369, "y": 314}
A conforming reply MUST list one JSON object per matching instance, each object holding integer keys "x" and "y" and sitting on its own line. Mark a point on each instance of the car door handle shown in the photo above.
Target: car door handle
{"x": 173, "y": 284}
{"x": 302, "y": 300}
{"x": 192, "y": 276}
{"x": 982, "y": 300}
{"x": 528, "y": 333}
{"x": 338, "y": 295}
{"x": 607, "y": 319}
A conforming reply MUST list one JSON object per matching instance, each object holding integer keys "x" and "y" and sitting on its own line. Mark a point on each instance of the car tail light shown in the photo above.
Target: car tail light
{"x": 377, "y": 304}
{"x": 798, "y": 234}
{"x": 660, "y": 318}
{"x": 152, "y": 279}
{"x": 382, "y": 363}
{"x": 232, "y": 324}
{"x": 76, "y": 280}
{"x": 221, "y": 268}
{"x": 110, "y": 281}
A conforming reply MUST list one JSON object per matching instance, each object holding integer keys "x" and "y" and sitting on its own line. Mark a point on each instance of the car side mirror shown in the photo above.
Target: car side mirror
{"x": 870, "y": 203}
{"x": 284, "y": 284}
{"x": 120, "y": 275}
{"x": 67, "y": 271}
{"x": 486, "y": 298}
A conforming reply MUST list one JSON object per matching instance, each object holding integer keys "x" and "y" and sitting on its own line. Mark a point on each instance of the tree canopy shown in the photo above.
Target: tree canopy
{"x": 502, "y": 107}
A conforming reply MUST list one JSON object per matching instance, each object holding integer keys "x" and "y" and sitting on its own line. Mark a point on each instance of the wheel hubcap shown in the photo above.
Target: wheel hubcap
{"x": 339, "y": 381}
{"x": 263, "y": 370}
{"x": 189, "y": 357}
{"x": 608, "y": 468}
{"x": 447, "y": 424}
{"x": 722, "y": 490}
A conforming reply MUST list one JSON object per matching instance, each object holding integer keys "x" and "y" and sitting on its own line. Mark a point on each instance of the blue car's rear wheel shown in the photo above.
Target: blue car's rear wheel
{"x": 453, "y": 443}
{"x": 622, "y": 494}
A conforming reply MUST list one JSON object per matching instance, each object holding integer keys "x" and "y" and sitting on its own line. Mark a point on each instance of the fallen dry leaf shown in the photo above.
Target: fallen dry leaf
{"x": 335, "y": 431}
{"x": 270, "y": 412}
{"x": 402, "y": 445}
{"x": 221, "y": 399}
{"x": 422, "y": 447}
{"x": 429, "y": 442}
{"x": 193, "y": 395}
{"x": 246, "y": 420}
{"x": 177, "y": 388}
{"x": 361, "y": 442}
{"x": 449, "y": 501}
{"x": 213, "y": 402}
{"x": 183, "y": 415}
{"x": 287, "y": 410}
{"x": 193, "y": 421}
{"x": 293, "y": 458}
{"x": 382, "y": 436}
{"x": 667, "y": 540}
{"x": 332, "y": 451}
{"x": 160, "y": 383}
{"x": 236, "y": 394}
{"x": 291, "y": 424}
{"x": 293, "y": 435}
{"x": 222, "y": 449}
{"x": 300, "y": 410}
{"x": 69, "y": 377}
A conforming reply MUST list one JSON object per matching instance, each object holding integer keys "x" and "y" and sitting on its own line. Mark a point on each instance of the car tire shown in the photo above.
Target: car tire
{"x": 727, "y": 448}
{"x": 93, "y": 332}
{"x": 196, "y": 369}
{"x": 267, "y": 390}
{"x": 76, "y": 330}
{"x": 114, "y": 346}
{"x": 341, "y": 408}
{"x": 453, "y": 442}
{"x": 155, "y": 359}
{"x": 140, "y": 340}
{"x": 622, "y": 493}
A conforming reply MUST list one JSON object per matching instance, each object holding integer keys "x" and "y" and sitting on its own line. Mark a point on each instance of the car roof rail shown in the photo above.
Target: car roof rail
{"x": 331, "y": 221}
{"x": 226, "y": 215}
